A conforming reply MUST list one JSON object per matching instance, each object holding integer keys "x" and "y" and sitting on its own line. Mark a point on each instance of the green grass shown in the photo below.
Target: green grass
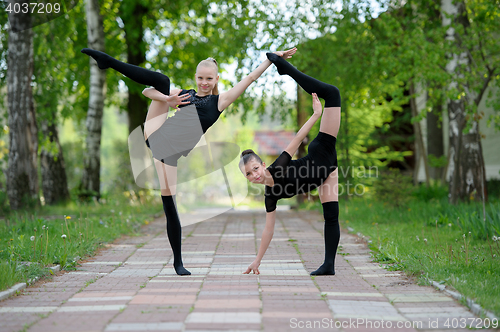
{"x": 66, "y": 234}
{"x": 435, "y": 240}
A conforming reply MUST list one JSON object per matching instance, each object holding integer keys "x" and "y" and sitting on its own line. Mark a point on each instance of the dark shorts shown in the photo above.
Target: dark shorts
{"x": 171, "y": 158}
{"x": 322, "y": 151}
{"x": 177, "y": 136}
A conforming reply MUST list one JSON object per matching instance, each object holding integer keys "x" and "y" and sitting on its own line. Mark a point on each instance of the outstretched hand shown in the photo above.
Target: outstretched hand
{"x": 317, "y": 108}
{"x": 254, "y": 267}
{"x": 177, "y": 99}
{"x": 286, "y": 54}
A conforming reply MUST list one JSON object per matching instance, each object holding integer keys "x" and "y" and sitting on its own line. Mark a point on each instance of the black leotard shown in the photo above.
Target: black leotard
{"x": 207, "y": 107}
{"x": 179, "y": 134}
{"x": 292, "y": 177}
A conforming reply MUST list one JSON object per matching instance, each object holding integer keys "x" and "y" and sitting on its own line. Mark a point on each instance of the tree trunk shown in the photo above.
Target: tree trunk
{"x": 466, "y": 160}
{"x": 466, "y": 155}
{"x": 22, "y": 177}
{"x": 137, "y": 106}
{"x": 435, "y": 143}
{"x": 90, "y": 185}
{"x": 419, "y": 141}
{"x": 54, "y": 180}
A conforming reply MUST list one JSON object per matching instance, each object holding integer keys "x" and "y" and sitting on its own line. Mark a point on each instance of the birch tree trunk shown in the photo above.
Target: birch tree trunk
{"x": 419, "y": 142}
{"x": 90, "y": 185}
{"x": 54, "y": 180}
{"x": 22, "y": 177}
{"x": 466, "y": 155}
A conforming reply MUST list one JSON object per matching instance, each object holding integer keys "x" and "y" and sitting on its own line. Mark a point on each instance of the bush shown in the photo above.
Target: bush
{"x": 493, "y": 186}
{"x": 4, "y": 206}
{"x": 433, "y": 192}
{"x": 393, "y": 188}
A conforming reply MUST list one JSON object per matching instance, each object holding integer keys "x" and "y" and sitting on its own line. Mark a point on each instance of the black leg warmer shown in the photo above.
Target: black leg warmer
{"x": 332, "y": 237}
{"x": 174, "y": 232}
{"x": 140, "y": 75}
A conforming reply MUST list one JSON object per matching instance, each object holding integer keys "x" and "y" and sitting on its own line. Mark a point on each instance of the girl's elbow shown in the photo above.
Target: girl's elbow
{"x": 252, "y": 78}
{"x": 269, "y": 231}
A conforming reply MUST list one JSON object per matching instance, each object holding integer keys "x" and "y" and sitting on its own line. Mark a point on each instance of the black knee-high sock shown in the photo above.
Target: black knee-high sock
{"x": 329, "y": 93}
{"x": 332, "y": 237}
{"x": 140, "y": 75}
{"x": 174, "y": 232}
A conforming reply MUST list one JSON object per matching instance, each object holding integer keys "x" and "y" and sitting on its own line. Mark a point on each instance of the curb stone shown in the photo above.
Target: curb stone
{"x": 12, "y": 290}
{"x": 473, "y": 306}
{"x": 22, "y": 285}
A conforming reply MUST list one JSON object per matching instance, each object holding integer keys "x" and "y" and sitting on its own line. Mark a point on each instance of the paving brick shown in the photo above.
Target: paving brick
{"x": 131, "y": 285}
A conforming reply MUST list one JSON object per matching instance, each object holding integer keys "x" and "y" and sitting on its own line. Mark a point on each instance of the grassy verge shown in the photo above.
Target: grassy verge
{"x": 32, "y": 241}
{"x": 435, "y": 240}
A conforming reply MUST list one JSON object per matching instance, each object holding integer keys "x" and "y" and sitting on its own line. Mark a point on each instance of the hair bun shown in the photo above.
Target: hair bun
{"x": 248, "y": 151}
{"x": 213, "y": 60}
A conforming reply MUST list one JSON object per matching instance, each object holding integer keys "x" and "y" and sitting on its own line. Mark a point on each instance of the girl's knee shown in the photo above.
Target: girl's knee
{"x": 333, "y": 99}
{"x": 333, "y": 90}
{"x": 162, "y": 83}
{"x": 331, "y": 211}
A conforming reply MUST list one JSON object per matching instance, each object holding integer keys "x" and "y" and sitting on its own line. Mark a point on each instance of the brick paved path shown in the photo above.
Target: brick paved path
{"x": 127, "y": 287}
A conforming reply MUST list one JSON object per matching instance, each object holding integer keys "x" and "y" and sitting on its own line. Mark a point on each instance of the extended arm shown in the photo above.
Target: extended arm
{"x": 302, "y": 133}
{"x": 228, "y": 97}
{"x": 267, "y": 235}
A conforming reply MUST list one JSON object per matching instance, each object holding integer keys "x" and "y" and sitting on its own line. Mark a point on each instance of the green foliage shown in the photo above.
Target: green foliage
{"x": 433, "y": 192}
{"x": 393, "y": 188}
{"x": 386, "y": 252}
{"x": 4, "y": 207}
{"x": 73, "y": 161}
{"x": 438, "y": 162}
{"x": 8, "y": 274}
{"x": 59, "y": 68}
{"x": 116, "y": 171}
{"x": 478, "y": 226}
{"x": 494, "y": 188}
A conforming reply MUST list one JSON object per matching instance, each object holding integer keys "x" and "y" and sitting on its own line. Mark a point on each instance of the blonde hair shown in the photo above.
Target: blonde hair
{"x": 210, "y": 62}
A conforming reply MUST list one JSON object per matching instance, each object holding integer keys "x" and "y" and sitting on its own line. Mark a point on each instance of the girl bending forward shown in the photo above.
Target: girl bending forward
{"x": 285, "y": 177}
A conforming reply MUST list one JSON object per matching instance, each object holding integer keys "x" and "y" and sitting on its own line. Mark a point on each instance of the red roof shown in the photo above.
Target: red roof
{"x": 273, "y": 143}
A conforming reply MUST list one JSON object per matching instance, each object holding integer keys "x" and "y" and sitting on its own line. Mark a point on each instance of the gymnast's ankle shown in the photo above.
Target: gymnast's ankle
{"x": 101, "y": 57}
{"x": 180, "y": 270}
{"x": 280, "y": 63}
{"x": 323, "y": 270}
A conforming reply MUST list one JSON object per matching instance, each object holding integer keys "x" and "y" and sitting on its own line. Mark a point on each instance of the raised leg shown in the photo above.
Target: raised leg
{"x": 329, "y": 93}
{"x": 157, "y": 114}
{"x": 140, "y": 75}
{"x": 330, "y": 121}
